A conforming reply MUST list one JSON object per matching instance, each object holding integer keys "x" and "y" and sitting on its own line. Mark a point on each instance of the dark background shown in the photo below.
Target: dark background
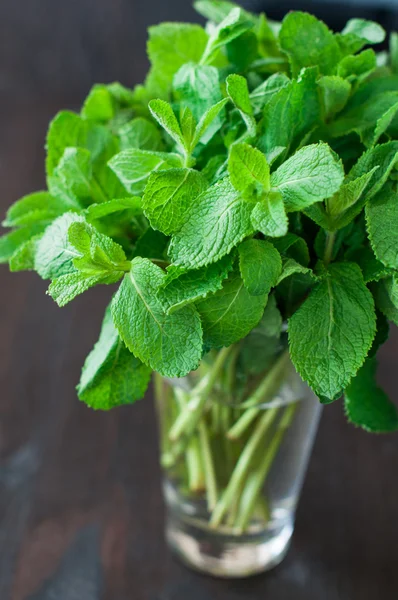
{"x": 80, "y": 505}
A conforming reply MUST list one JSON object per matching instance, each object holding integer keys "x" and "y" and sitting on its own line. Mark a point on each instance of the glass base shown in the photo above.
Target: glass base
{"x": 227, "y": 556}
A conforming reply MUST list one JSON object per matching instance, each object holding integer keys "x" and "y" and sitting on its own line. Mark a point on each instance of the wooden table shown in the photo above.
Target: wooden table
{"x": 81, "y": 512}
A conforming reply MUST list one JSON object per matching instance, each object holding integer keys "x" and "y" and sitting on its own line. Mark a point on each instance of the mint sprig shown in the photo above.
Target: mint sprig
{"x": 250, "y": 181}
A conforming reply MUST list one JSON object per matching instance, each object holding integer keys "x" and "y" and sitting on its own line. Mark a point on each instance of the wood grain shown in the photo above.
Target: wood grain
{"x": 81, "y": 513}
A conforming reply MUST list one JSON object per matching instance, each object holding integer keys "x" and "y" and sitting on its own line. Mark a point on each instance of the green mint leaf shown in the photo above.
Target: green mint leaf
{"x": 263, "y": 93}
{"x": 310, "y": 175}
{"x": 169, "y": 196}
{"x": 392, "y": 289}
{"x": 367, "y": 405}
{"x": 360, "y": 32}
{"x": 170, "y": 344}
{"x": 64, "y": 289}
{"x": 170, "y": 46}
{"x": 292, "y": 267}
{"x": 134, "y": 166}
{"x": 348, "y": 194}
{"x": 357, "y": 67}
{"x": 231, "y": 313}
{"x": 243, "y": 51}
{"x": 54, "y": 252}
{"x": 140, "y": 133}
{"x": 238, "y": 91}
{"x": 269, "y": 215}
{"x": 99, "y": 105}
{"x": 382, "y": 226}
{"x": 164, "y": 115}
{"x": 98, "y": 253}
{"x": 372, "y": 269}
{"x": 383, "y": 156}
{"x": 39, "y": 207}
{"x": 204, "y": 130}
{"x": 97, "y": 211}
{"x": 335, "y": 94}
{"x": 291, "y": 113}
{"x": 384, "y": 303}
{"x": 231, "y": 27}
{"x": 111, "y": 375}
{"x": 331, "y": 333}
{"x": 23, "y": 259}
{"x": 75, "y": 171}
{"x": 217, "y": 10}
{"x": 260, "y": 266}
{"x": 197, "y": 87}
{"x": 369, "y": 120}
{"x": 11, "y": 242}
{"x": 308, "y": 43}
{"x": 293, "y": 246}
{"x": 248, "y": 168}
{"x": 182, "y": 288}
{"x": 217, "y": 222}
{"x": 66, "y": 130}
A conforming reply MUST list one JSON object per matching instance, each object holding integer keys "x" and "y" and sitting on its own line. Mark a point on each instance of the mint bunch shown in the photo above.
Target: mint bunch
{"x": 251, "y": 180}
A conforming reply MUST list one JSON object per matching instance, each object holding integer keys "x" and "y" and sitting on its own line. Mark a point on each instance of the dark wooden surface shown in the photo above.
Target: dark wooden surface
{"x": 81, "y": 513}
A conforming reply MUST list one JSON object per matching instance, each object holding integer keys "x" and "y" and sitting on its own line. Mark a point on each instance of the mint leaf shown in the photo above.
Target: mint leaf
{"x": 231, "y": 313}
{"x": 140, "y": 133}
{"x": 360, "y": 32}
{"x": 293, "y": 246}
{"x": 333, "y": 330}
{"x": 39, "y": 207}
{"x": 231, "y": 27}
{"x": 99, "y": 105}
{"x": 382, "y": 226}
{"x": 248, "y": 168}
{"x": 171, "y": 45}
{"x": 23, "y": 258}
{"x": 54, "y": 252}
{"x": 170, "y": 344}
{"x": 64, "y": 289}
{"x": 383, "y": 156}
{"x": 349, "y": 194}
{"x": 184, "y": 287}
{"x": 384, "y": 303}
{"x": 269, "y": 215}
{"x": 217, "y": 222}
{"x": 367, "y": 405}
{"x": 75, "y": 171}
{"x": 134, "y": 166}
{"x": 263, "y": 93}
{"x": 111, "y": 375}
{"x": 204, "y": 130}
{"x": 292, "y": 267}
{"x": 216, "y": 10}
{"x": 164, "y": 115}
{"x": 197, "y": 87}
{"x": 260, "y": 266}
{"x": 372, "y": 269}
{"x": 169, "y": 196}
{"x": 97, "y": 211}
{"x": 335, "y": 94}
{"x": 291, "y": 113}
{"x": 11, "y": 242}
{"x": 238, "y": 91}
{"x": 308, "y": 43}
{"x": 310, "y": 175}
{"x": 357, "y": 67}
{"x": 66, "y": 130}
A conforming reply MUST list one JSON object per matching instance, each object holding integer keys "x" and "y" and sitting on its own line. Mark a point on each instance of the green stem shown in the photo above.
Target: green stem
{"x": 256, "y": 479}
{"x": 242, "y": 468}
{"x": 330, "y": 239}
{"x": 267, "y": 388}
{"x": 208, "y": 464}
{"x": 196, "y": 477}
{"x": 190, "y": 416}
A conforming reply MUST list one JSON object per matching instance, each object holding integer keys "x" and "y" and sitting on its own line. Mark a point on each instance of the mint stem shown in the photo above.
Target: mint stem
{"x": 330, "y": 239}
